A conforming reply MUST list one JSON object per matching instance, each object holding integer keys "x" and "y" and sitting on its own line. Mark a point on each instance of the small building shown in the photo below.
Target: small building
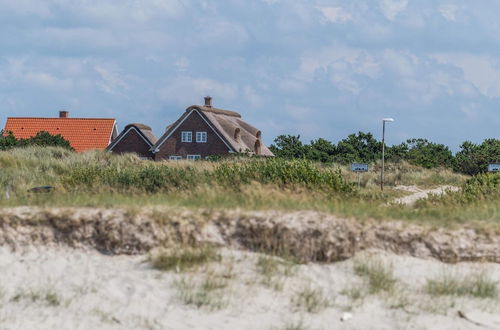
{"x": 204, "y": 131}
{"x": 82, "y": 133}
{"x": 135, "y": 138}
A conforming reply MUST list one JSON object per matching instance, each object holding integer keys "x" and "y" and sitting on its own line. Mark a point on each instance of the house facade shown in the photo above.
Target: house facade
{"x": 135, "y": 138}
{"x": 204, "y": 131}
{"x": 82, "y": 133}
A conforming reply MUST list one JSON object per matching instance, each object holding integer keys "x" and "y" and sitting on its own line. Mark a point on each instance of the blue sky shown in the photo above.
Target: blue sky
{"x": 316, "y": 68}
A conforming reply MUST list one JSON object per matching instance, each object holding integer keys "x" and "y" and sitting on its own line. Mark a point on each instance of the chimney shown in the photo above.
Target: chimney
{"x": 208, "y": 101}
{"x": 63, "y": 114}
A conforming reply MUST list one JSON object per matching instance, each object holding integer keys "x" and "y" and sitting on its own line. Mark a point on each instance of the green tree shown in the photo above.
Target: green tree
{"x": 7, "y": 141}
{"x": 361, "y": 147}
{"x": 473, "y": 158}
{"x": 422, "y": 152}
{"x": 321, "y": 150}
{"x": 289, "y": 146}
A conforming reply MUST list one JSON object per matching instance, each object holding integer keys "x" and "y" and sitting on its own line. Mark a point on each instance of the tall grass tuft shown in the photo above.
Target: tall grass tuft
{"x": 181, "y": 259}
{"x": 379, "y": 276}
{"x": 477, "y": 285}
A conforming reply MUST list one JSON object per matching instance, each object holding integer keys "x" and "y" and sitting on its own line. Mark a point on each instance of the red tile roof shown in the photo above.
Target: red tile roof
{"x": 82, "y": 133}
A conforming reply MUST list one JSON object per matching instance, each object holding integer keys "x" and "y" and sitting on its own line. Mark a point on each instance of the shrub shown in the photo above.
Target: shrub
{"x": 473, "y": 158}
{"x": 281, "y": 172}
{"x": 42, "y": 139}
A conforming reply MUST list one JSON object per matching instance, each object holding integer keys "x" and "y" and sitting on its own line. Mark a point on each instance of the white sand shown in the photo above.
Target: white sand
{"x": 94, "y": 291}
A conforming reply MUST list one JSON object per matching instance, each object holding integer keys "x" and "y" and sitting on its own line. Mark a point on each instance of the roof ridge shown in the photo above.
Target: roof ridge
{"x": 52, "y": 118}
{"x": 214, "y": 110}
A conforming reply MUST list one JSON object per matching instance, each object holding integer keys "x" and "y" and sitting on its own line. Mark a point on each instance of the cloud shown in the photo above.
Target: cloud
{"x": 483, "y": 71}
{"x": 182, "y": 64}
{"x": 111, "y": 79}
{"x": 335, "y": 14}
{"x": 392, "y": 8}
{"x": 449, "y": 12}
{"x": 184, "y": 90}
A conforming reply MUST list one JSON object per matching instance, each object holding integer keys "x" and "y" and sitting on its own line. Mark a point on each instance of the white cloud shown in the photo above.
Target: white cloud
{"x": 341, "y": 64}
{"x": 111, "y": 80}
{"x": 252, "y": 96}
{"x": 392, "y": 8}
{"x": 335, "y": 14}
{"x": 182, "y": 64}
{"x": 483, "y": 71}
{"x": 185, "y": 91}
{"x": 470, "y": 110}
{"x": 449, "y": 12}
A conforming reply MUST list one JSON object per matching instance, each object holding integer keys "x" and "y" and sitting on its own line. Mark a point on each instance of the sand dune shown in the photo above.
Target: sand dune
{"x": 62, "y": 288}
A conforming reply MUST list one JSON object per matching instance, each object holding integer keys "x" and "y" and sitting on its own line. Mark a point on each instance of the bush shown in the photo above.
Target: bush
{"x": 473, "y": 158}
{"x": 281, "y": 172}
{"x": 42, "y": 139}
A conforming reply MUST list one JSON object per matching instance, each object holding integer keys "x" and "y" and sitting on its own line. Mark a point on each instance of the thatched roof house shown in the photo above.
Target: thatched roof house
{"x": 203, "y": 131}
{"x": 135, "y": 138}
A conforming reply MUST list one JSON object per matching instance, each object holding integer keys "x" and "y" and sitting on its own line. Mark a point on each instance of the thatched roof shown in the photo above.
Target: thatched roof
{"x": 238, "y": 134}
{"x": 142, "y": 129}
{"x": 145, "y": 130}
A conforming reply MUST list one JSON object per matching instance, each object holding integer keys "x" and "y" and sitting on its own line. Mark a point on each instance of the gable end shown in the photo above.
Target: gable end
{"x": 167, "y": 135}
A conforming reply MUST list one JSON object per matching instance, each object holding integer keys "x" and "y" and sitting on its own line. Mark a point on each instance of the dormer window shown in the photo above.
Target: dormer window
{"x": 257, "y": 147}
{"x": 237, "y": 134}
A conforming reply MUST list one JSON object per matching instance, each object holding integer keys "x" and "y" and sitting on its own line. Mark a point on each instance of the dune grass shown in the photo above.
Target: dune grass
{"x": 101, "y": 179}
{"x": 379, "y": 276}
{"x": 478, "y": 285}
{"x": 311, "y": 300}
{"x": 184, "y": 258}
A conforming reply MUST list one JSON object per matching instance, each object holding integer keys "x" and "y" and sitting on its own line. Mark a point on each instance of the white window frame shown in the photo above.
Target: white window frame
{"x": 175, "y": 158}
{"x": 201, "y": 137}
{"x": 186, "y": 136}
{"x": 193, "y": 157}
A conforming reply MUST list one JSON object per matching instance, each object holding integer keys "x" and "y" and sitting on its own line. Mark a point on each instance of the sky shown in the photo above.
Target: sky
{"x": 318, "y": 68}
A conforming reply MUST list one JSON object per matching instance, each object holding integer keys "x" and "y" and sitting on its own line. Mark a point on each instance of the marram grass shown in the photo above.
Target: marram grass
{"x": 102, "y": 179}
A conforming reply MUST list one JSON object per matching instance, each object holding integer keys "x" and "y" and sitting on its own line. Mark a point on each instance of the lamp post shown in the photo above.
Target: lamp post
{"x": 390, "y": 120}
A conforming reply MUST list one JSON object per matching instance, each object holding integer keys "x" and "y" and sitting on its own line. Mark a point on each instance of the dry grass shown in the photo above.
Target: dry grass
{"x": 46, "y": 296}
{"x": 478, "y": 285}
{"x": 208, "y": 293}
{"x": 377, "y": 274}
{"x": 229, "y": 184}
{"x": 311, "y": 300}
{"x": 185, "y": 258}
{"x": 274, "y": 270}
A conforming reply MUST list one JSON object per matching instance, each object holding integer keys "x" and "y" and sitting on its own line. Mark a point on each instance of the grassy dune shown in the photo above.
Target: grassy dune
{"x": 103, "y": 179}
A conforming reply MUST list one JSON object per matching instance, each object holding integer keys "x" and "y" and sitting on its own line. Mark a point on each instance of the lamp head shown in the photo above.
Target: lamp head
{"x": 388, "y": 119}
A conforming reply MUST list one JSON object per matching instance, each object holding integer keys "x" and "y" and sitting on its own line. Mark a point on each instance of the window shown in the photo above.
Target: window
{"x": 187, "y": 137}
{"x": 193, "y": 157}
{"x": 175, "y": 157}
{"x": 201, "y": 137}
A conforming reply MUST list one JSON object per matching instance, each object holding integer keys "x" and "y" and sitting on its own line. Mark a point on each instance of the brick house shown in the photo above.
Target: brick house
{"x": 203, "y": 131}
{"x": 135, "y": 138}
{"x": 82, "y": 133}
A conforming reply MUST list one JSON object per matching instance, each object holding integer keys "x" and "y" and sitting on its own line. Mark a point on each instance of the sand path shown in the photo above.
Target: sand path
{"x": 418, "y": 193}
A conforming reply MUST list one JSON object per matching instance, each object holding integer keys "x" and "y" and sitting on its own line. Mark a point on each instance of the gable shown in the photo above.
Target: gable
{"x": 126, "y": 137}
{"x": 186, "y": 118}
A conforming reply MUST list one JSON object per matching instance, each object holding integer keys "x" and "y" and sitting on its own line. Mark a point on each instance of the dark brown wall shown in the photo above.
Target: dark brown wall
{"x": 194, "y": 123}
{"x": 133, "y": 142}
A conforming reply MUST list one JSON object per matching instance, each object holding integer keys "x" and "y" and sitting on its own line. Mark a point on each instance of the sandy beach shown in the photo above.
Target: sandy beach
{"x": 62, "y": 288}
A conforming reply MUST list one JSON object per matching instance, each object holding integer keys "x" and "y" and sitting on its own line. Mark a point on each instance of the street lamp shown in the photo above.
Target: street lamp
{"x": 390, "y": 120}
